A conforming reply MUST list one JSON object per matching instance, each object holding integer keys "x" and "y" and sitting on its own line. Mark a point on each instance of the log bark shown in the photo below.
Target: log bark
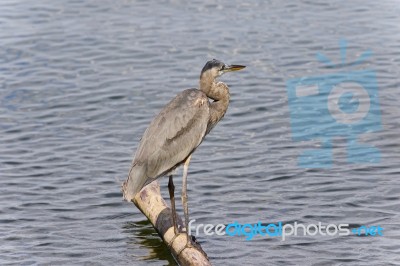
{"x": 150, "y": 202}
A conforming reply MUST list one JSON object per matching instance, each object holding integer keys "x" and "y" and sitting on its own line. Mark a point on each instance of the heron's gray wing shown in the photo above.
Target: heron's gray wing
{"x": 174, "y": 133}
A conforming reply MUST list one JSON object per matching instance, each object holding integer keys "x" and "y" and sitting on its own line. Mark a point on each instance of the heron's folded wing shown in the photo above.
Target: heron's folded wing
{"x": 174, "y": 133}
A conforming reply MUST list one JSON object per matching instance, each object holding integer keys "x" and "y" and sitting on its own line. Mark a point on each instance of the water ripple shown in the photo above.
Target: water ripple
{"x": 80, "y": 81}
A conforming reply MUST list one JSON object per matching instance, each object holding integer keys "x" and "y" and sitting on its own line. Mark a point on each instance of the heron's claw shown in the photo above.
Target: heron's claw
{"x": 192, "y": 243}
{"x": 189, "y": 243}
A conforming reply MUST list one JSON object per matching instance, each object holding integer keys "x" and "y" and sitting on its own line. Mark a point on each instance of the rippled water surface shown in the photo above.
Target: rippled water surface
{"x": 81, "y": 80}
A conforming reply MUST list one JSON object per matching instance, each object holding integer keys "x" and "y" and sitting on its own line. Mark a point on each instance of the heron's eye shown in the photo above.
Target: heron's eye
{"x": 223, "y": 67}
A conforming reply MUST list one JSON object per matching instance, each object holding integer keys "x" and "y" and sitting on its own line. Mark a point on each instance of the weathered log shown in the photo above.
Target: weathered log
{"x": 150, "y": 202}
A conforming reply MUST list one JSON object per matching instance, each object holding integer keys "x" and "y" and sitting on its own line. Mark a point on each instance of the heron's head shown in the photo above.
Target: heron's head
{"x": 215, "y": 68}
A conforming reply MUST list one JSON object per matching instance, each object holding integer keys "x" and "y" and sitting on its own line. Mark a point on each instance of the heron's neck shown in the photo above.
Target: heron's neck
{"x": 219, "y": 92}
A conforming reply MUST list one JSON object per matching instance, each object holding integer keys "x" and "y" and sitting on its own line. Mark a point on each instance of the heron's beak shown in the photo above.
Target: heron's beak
{"x": 229, "y": 68}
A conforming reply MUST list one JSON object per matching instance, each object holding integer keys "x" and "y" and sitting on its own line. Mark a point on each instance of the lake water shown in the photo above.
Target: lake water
{"x": 81, "y": 80}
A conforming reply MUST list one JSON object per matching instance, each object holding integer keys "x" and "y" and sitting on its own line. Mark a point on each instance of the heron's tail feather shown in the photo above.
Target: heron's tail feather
{"x": 136, "y": 181}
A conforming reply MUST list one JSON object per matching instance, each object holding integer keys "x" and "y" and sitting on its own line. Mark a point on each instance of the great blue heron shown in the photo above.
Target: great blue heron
{"x": 176, "y": 132}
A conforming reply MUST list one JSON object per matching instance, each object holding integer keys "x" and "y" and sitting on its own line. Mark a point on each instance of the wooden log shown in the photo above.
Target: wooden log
{"x": 150, "y": 202}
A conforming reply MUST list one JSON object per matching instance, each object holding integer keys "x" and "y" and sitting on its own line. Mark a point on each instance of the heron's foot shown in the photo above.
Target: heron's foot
{"x": 189, "y": 243}
{"x": 192, "y": 243}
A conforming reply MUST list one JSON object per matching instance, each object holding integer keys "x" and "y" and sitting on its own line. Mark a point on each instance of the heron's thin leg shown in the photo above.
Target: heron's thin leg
{"x": 184, "y": 196}
{"x": 171, "y": 189}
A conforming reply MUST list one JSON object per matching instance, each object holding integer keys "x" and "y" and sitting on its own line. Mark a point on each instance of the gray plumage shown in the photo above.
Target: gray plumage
{"x": 168, "y": 142}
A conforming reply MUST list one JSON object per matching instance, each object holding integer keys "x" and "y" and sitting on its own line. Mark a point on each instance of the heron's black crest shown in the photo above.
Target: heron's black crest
{"x": 211, "y": 64}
